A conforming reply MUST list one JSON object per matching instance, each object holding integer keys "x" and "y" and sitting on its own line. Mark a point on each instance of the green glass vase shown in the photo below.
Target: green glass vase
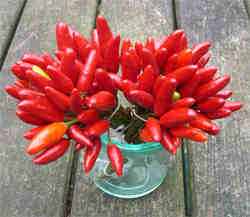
{"x": 145, "y": 168}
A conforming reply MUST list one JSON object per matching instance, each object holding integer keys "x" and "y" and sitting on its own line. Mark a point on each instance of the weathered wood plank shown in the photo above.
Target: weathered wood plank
{"x": 247, "y": 4}
{"x": 137, "y": 20}
{"x": 220, "y": 168}
{"x": 10, "y": 12}
{"x": 27, "y": 189}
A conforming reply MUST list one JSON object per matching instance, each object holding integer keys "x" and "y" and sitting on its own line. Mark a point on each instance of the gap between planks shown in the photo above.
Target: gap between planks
{"x": 247, "y": 7}
{"x": 186, "y": 163}
{"x": 12, "y": 34}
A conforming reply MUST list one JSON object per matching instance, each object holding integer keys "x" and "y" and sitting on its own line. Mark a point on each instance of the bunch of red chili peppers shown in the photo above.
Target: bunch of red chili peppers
{"x": 67, "y": 96}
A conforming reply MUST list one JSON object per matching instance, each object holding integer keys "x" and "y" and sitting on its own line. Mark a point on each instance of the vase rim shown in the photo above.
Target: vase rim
{"x": 143, "y": 147}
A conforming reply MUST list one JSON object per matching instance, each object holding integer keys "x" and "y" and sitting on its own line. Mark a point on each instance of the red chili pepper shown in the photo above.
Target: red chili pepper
{"x": 171, "y": 41}
{"x": 164, "y": 96}
{"x": 225, "y": 93}
{"x": 115, "y": 157}
{"x": 76, "y": 101}
{"x": 103, "y": 100}
{"x": 158, "y": 82}
{"x": 191, "y": 133}
{"x": 188, "y": 89}
{"x": 30, "y": 118}
{"x": 79, "y": 135}
{"x": 116, "y": 79}
{"x": 111, "y": 54}
{"x": 206, "y": 74}
{"x": 199, "y": 50}
{"x": 141, "y": 98}
{"x": 29, "y": 134}
{"x": 77, "y": 68}
{"x": 60, "y": 100}
{"x": 63, "y": 83}
{"x": 127, "y": 86}
{"x": 79, "y": 146}
{"x": 96, "y": 44}
{"x": 42, "y": 109}
{"x": 104, "y": 81}
{"x": 83, "y": 45}
{"x": 184, "y": 58}
{"x": 145, "y": 136}
{"x": 52, "y": 153}
{"x": 182, "y": 44}
{"x": 21, "y": 83}
{"x": 148, "y": 58}
{"x": 233, "y": 106}
{"x": 161, "y": 56}
{"x": 177, "y": 117}
{"x": 167, "y": 142}
{"x": 203, "y": 60}
{"x": 170, "y": 65}
{"x": 220, "y": 113}
{"x": 88, "y": 116}
{"x": 95, "y": 88}
{"x": 31, "y": 94}
{"x": 186, "y": 102}
{"x": 183, "y": 74}
{"x": 97, "y": 128}
{"x": 34, "y": 59}
{"x": 87, "y": 76}
{"x": 67, "y": 64}
{"x": 211, "y": 104}
{"x": 18, "y": 71}
{"x": 24, "y": 66}
{"x": 91, "y": 154}
{"x": 59, "y": 54}
{"x": 13, "y": 91}
{"x": 176, "y": 141}
{"x": 150, "y": 44}
{"x": 38, "y": 80}
{"x": 157, "y": 44}
{"x": 146, "y": 79}
{"x": 154, "y": 129}
{"x": 63, "y": 37}
{"x": 104, "y": 32}
{"x": 130, "y": 63}
{"x": 138, "y": 48}
{"x": 203, "y": 123}
{"x": 127, "y": 43}
{"x": 211, "y": 88}
{"x": 49, "y": 60}
{"x": 48, "y": 136}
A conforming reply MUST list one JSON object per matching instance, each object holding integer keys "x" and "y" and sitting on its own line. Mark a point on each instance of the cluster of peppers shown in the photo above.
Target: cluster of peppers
{"x": 67, "y": 97}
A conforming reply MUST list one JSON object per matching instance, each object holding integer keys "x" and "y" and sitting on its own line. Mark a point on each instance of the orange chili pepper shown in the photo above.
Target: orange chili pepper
{"x": 48, "y": 136}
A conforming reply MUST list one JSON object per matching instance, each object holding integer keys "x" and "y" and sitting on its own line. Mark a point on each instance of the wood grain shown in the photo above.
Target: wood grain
{"x": 220, "y": 168}
{"x": 27, "y": 189}
{"x": 137, "y": 20}
{"x": 10, "y": 12}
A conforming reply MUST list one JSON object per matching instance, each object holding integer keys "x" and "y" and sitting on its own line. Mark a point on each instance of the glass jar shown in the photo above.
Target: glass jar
{"x": 145, "y": 167}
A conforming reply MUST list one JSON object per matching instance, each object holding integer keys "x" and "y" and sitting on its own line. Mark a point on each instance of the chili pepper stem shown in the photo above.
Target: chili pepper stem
{"x": 136, "y": 115}
{"x": 109, "y": 137}
{"x": 115, "y": 111}
{"x": 69, "y": 123}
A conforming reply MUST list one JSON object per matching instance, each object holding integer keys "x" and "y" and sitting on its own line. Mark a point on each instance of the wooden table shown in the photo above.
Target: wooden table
{"x": 220, "y": 168}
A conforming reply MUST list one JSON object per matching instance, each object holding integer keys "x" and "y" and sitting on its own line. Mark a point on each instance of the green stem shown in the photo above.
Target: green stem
{"x": 69, "y": 123}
